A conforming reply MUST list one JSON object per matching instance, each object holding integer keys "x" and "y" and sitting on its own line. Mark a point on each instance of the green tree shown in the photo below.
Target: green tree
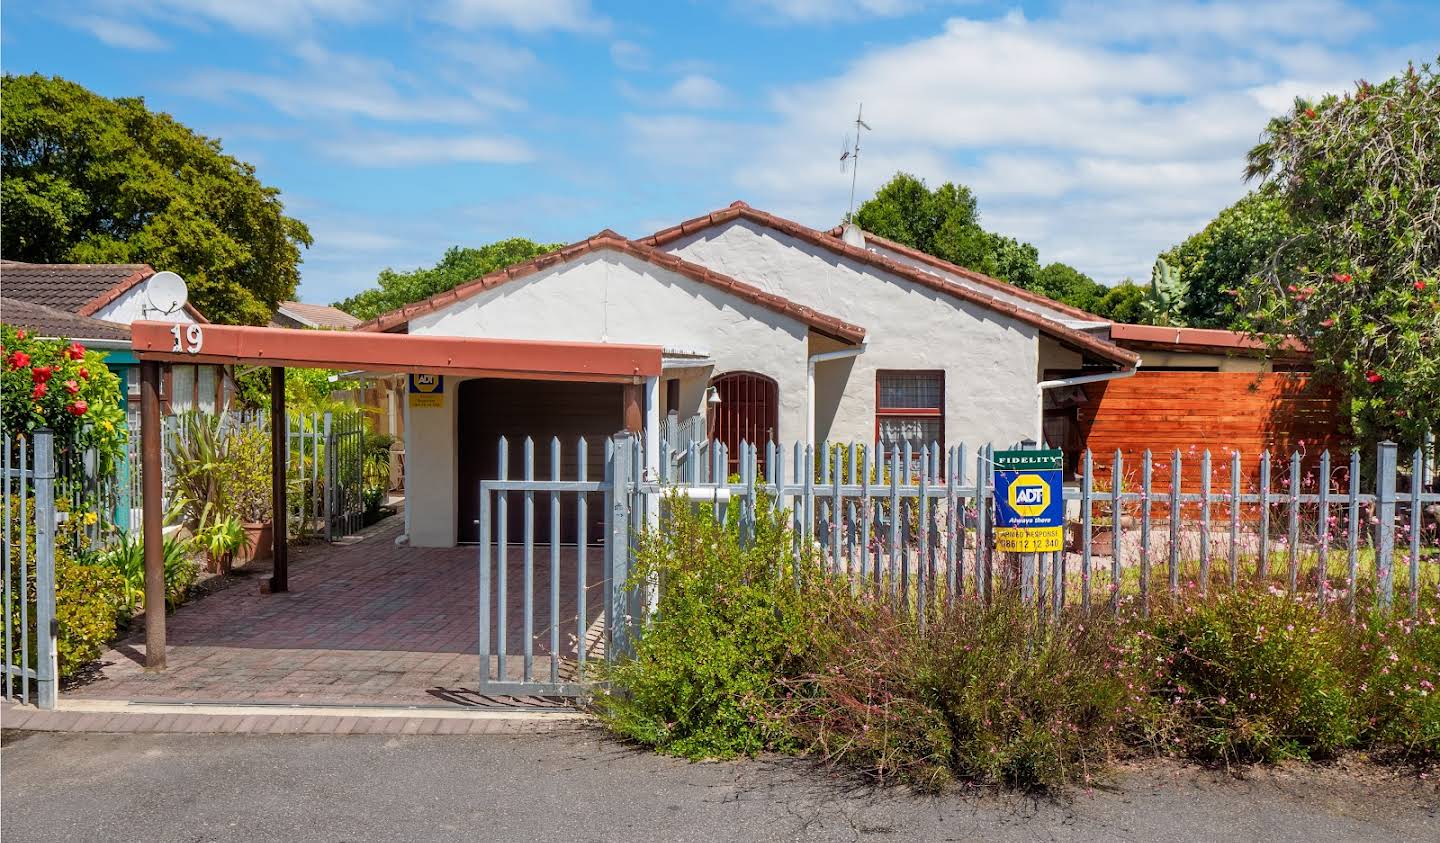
{"x": 1123, "y": 302}
{"x": 94, "y": 180}
{"x": 397, "y": 289}
{"x": 1359, "y": 174}
{"x": 1232, "y": 248}
{"x": 944, "y": 222}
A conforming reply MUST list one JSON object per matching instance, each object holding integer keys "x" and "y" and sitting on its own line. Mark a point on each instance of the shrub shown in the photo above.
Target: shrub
{"x": 1399, "y": 686}
{"x": 127, "y": 559}
{"x": 986, "y": 694}
{"x": 733, "y": 617}
{"x": 1247, "y": 676}
{"x": 88, "y": 599}
{"x": 220, "y": 466}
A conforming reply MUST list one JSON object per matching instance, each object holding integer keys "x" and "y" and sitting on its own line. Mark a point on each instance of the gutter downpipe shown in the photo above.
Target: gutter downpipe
{"x": 810, "y": 383}
{"x": 1075, "y": 381}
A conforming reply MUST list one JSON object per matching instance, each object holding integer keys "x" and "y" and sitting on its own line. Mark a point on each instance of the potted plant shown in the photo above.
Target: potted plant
{"x": 222, "y": 540}
{"x": 222, "y": 466}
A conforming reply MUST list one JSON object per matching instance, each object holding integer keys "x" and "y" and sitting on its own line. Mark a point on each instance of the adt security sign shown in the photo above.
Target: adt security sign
{"x": 427, "y": 391}
{"x": 1029, "y": 501}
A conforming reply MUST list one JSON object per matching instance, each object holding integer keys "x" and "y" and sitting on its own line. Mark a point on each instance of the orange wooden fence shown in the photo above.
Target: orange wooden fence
{"x": 1220, "y": 411}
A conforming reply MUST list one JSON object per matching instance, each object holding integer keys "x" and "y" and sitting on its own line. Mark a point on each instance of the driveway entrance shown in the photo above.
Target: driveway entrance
{"x": 365, "y": 623}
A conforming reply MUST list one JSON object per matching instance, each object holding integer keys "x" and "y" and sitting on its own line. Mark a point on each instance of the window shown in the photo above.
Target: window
{"x": 910, "y": 407}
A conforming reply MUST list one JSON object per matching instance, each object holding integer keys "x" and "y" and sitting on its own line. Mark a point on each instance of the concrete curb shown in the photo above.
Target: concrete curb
{"x": 119, "y": 716}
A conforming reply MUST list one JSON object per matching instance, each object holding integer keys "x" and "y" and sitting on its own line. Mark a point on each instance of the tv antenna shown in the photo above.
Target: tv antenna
{"x": 850, "y": 157}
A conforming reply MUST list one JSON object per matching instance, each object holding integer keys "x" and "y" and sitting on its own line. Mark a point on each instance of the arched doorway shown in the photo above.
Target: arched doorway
{"x": 748, "y": 411}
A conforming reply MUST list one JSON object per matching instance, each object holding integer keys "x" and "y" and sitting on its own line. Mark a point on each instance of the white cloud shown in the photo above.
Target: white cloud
{"x": 259, "y": 17}
{"x": 694, "y": 91}
{"x": 491, "y": 58}
{"x": 415, "y": 150}
{"x": 1102, "y": 141}
{"x": 628, "y": 55}
{"x": 116, "y": 33}
{"x": 520, "y": 15}
{"x": 346, "y": 85}
{"x": 818, "y": 11}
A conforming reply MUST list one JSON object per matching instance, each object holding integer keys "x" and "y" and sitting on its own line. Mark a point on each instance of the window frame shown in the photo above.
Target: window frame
{"x": 882, "y": 412}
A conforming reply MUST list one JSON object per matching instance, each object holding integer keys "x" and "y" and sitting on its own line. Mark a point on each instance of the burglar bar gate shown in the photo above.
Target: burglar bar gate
{"x": 913, "y": 527}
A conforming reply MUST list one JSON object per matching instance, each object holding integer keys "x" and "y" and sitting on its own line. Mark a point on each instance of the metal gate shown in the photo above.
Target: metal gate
{"x": 29, "y": 562}
{"x": 546, "y": 609}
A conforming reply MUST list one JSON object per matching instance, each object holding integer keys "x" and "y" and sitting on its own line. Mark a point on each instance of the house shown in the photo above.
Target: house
{"x": 94, "y": 304}
{"x": 295, "y": 314}
{"x": 772, "y": 330}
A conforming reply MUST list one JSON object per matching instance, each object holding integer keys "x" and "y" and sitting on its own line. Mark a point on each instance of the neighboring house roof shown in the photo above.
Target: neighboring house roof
{"x": 739, "y": 210}
{"x": 54, "y": 322}
{"x": 607, "y": 239}
{"x": 1207, "y": 340}
{"x": 78, "y": 288}
{"x": 978, "y": 277}
{"x": 317, "y": 315}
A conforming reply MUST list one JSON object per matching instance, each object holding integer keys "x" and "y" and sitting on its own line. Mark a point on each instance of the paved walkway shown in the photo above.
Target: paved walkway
{"x": 365, "y": 623}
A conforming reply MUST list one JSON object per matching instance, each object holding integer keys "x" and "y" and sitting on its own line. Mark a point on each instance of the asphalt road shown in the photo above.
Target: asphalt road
{"x": 581, "y": 787}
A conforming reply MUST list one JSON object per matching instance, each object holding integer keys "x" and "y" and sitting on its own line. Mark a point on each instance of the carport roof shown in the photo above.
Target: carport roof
{"x": 477, "y": 357}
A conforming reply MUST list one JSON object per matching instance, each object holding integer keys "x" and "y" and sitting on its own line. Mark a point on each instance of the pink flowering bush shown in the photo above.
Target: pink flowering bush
{"x": 1247, "y": 676}
{"x": 1398, "y": 664}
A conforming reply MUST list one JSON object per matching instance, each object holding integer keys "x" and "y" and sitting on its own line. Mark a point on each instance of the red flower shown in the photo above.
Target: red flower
{"x": 78, "y": 408}
{"x": 1310, "y": 112}
{"x": 19, "y": 360}
{"x": 1420, "y": 285}
{"x": 84, "y": 373}
{"x": 41, "y": 374}
{"x": 1373, "y": 376}
{"x": 20, "y": 334}
{"x": 1342, "y": 277}
{"x": 72, "y": 387}
{"x": 39, "y": 392}
{"x": 1328, "y": 323}
{"x": 76, "y": 351}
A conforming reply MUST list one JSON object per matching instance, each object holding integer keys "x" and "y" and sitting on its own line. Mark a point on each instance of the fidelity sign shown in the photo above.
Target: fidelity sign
{"x": 1029, "y": 501}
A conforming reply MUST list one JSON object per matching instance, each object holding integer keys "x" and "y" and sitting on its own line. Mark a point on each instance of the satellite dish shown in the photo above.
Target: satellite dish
{"x": 853, "y": 235}
{"x": 166, "y": 292}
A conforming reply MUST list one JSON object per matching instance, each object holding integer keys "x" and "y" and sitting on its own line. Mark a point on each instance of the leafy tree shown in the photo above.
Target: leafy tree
{"x": 94, "y": 180}
{"x": 397, "y": 289}
{"x": 1360, "y": 176}
{"x": 944, "y": 222}
{"x": 1233, "y": 247}
{"x": 1065, "y": 283}
{"x": 1123, "y": 302}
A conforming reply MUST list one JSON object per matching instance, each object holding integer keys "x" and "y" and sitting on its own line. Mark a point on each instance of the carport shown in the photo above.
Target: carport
{"x": 633, "y": 368}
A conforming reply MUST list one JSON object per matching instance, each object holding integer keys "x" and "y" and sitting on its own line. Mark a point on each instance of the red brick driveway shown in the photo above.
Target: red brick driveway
{"x": 364, "y": 623}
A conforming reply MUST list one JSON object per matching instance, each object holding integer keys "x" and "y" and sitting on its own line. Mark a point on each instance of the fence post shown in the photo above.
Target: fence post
{"x": 618, "y": 469}
{"x": 1385, "y": 524}
{"x": 1417, "y": 522}
{"x": 329, "y": 478}
{"x": 47, "y": 669}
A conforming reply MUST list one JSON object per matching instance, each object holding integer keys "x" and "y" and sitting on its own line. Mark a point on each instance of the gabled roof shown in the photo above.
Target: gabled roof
{"x": 317, "y": 315}
{"x": 77, "y": 288}
{"x": 739, "y": 210}
{"x": 609, "y": 240}
{"x": 980, "y": 278}
{"x": 54, "y": 322}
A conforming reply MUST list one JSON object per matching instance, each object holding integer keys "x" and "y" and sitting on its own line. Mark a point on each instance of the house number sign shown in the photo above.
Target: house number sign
{"x": 192, "y": 340}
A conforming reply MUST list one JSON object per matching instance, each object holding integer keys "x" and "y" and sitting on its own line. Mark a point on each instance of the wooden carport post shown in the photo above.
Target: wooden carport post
{"x": 279, "y": 512}
{"x": 152, "y": 525}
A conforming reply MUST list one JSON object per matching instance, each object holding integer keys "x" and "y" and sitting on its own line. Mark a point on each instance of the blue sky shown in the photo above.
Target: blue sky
{"x": 1101, "y": 132}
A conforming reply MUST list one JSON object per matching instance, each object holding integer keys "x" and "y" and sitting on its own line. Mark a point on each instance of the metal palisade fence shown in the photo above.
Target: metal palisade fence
{"x": 31, "y": 670}
{"x": 916, "y": 527}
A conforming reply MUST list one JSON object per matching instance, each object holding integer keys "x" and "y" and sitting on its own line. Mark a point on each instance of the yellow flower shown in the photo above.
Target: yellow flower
{"x": 91, "y": 518}
{"x": 107, "y": 426}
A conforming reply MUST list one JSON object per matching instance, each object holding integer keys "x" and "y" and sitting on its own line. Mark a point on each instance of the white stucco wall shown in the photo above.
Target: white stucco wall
{"x": 129, "y": 306}
{"x": 604, "y": 296}
{"x": 989, "y": 360}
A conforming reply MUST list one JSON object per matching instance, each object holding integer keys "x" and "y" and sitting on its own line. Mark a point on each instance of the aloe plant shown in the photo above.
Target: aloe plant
{"x": 1164, "y": 302}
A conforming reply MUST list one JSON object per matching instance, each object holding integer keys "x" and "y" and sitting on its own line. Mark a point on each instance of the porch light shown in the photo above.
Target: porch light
{"x": 712, "y": 396}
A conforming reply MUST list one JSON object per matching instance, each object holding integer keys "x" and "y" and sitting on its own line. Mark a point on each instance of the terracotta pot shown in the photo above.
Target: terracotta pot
{"x": 1102, "y": 540}
{"x": 260, "y": 538}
